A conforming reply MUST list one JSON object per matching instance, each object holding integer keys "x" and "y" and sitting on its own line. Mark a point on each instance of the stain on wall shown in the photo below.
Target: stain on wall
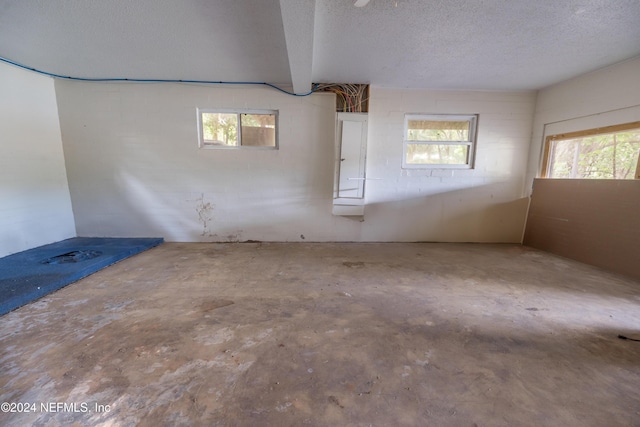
{"x": 205, "y": 215}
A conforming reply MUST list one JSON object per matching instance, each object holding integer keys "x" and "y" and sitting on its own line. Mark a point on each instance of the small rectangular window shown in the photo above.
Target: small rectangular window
{"x": 604, "y": 153}
{"x": 439, "y": 141}
{"x": 237, "y": 128}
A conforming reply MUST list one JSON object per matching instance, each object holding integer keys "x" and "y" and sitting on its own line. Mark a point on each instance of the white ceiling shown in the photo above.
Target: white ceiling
{"x": 439, "y": 44}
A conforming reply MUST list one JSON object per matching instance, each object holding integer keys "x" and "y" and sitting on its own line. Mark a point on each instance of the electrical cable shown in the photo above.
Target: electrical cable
{"x": 345, "y": 96}
{"x": 132, "y": 80}
{"x": 350, "y": 97}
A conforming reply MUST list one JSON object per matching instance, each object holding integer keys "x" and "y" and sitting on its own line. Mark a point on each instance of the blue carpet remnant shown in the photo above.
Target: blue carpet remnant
{"x": 32, "y": 274}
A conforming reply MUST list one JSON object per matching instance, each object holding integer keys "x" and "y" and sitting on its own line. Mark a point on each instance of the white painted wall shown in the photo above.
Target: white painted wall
{"x": 605, "y": 97}
{"x": 135, "y": 168}
{"x": 35, "y": 208}
{"x": 481, "y": 205}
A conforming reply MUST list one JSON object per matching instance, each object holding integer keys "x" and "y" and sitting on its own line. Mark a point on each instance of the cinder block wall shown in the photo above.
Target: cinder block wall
{"x": 485, "y": 204}
{"x": 135, "y": 168}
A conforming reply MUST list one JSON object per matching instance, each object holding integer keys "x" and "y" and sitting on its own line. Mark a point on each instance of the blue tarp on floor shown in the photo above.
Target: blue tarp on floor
{"x": 32, "y": 274}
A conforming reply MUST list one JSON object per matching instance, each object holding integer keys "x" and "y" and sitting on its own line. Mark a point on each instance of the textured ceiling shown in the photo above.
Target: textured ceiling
{"x": 440, "y": 44}
{"x": 472, "y": 44}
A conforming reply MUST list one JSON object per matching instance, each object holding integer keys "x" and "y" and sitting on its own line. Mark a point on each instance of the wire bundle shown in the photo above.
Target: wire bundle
{"x": 351, "y": 97}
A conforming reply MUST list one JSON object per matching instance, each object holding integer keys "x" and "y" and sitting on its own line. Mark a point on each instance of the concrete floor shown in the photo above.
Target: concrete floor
{"x": 269, "y": 334}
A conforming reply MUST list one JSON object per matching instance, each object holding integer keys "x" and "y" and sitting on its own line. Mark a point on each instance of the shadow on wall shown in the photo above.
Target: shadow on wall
{"x": 202, "y": 211}
{"x": 465, "y": 215}
{"x": 151, "y": 179}
{"x": 186, "y": 200}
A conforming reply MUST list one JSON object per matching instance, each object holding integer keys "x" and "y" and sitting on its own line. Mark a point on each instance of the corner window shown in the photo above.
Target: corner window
{"x": 237, "y": 128}
{"x": 439, "y": 141}
{"x": 604, "y": 153}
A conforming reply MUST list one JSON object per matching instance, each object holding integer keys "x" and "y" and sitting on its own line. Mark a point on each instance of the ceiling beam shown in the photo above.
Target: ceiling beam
{"x": 298, "y": 21}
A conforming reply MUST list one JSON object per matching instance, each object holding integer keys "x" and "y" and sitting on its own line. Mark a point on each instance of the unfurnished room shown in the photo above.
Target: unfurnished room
{"x": 320, "y": 212}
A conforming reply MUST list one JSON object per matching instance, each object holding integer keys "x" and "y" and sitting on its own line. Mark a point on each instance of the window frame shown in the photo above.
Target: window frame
{"x": 545, "y": 168}
{"x": 238, "y": 112}
{"x": 471, "y": 143}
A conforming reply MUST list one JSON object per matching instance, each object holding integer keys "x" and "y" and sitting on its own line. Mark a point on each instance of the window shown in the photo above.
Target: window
{"x": 237, "y": 128}
{"x": 603, "y": 153}
{"x": 439, "y": 141}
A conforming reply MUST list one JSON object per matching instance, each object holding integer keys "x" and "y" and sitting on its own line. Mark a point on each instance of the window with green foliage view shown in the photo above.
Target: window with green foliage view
{"x": 235, "y": 129}
{"x": 611, "y": 154}
{"x": 439, "y": 141}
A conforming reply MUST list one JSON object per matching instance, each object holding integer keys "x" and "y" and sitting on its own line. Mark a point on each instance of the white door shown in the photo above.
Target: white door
{"x": 353, "y": 148}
